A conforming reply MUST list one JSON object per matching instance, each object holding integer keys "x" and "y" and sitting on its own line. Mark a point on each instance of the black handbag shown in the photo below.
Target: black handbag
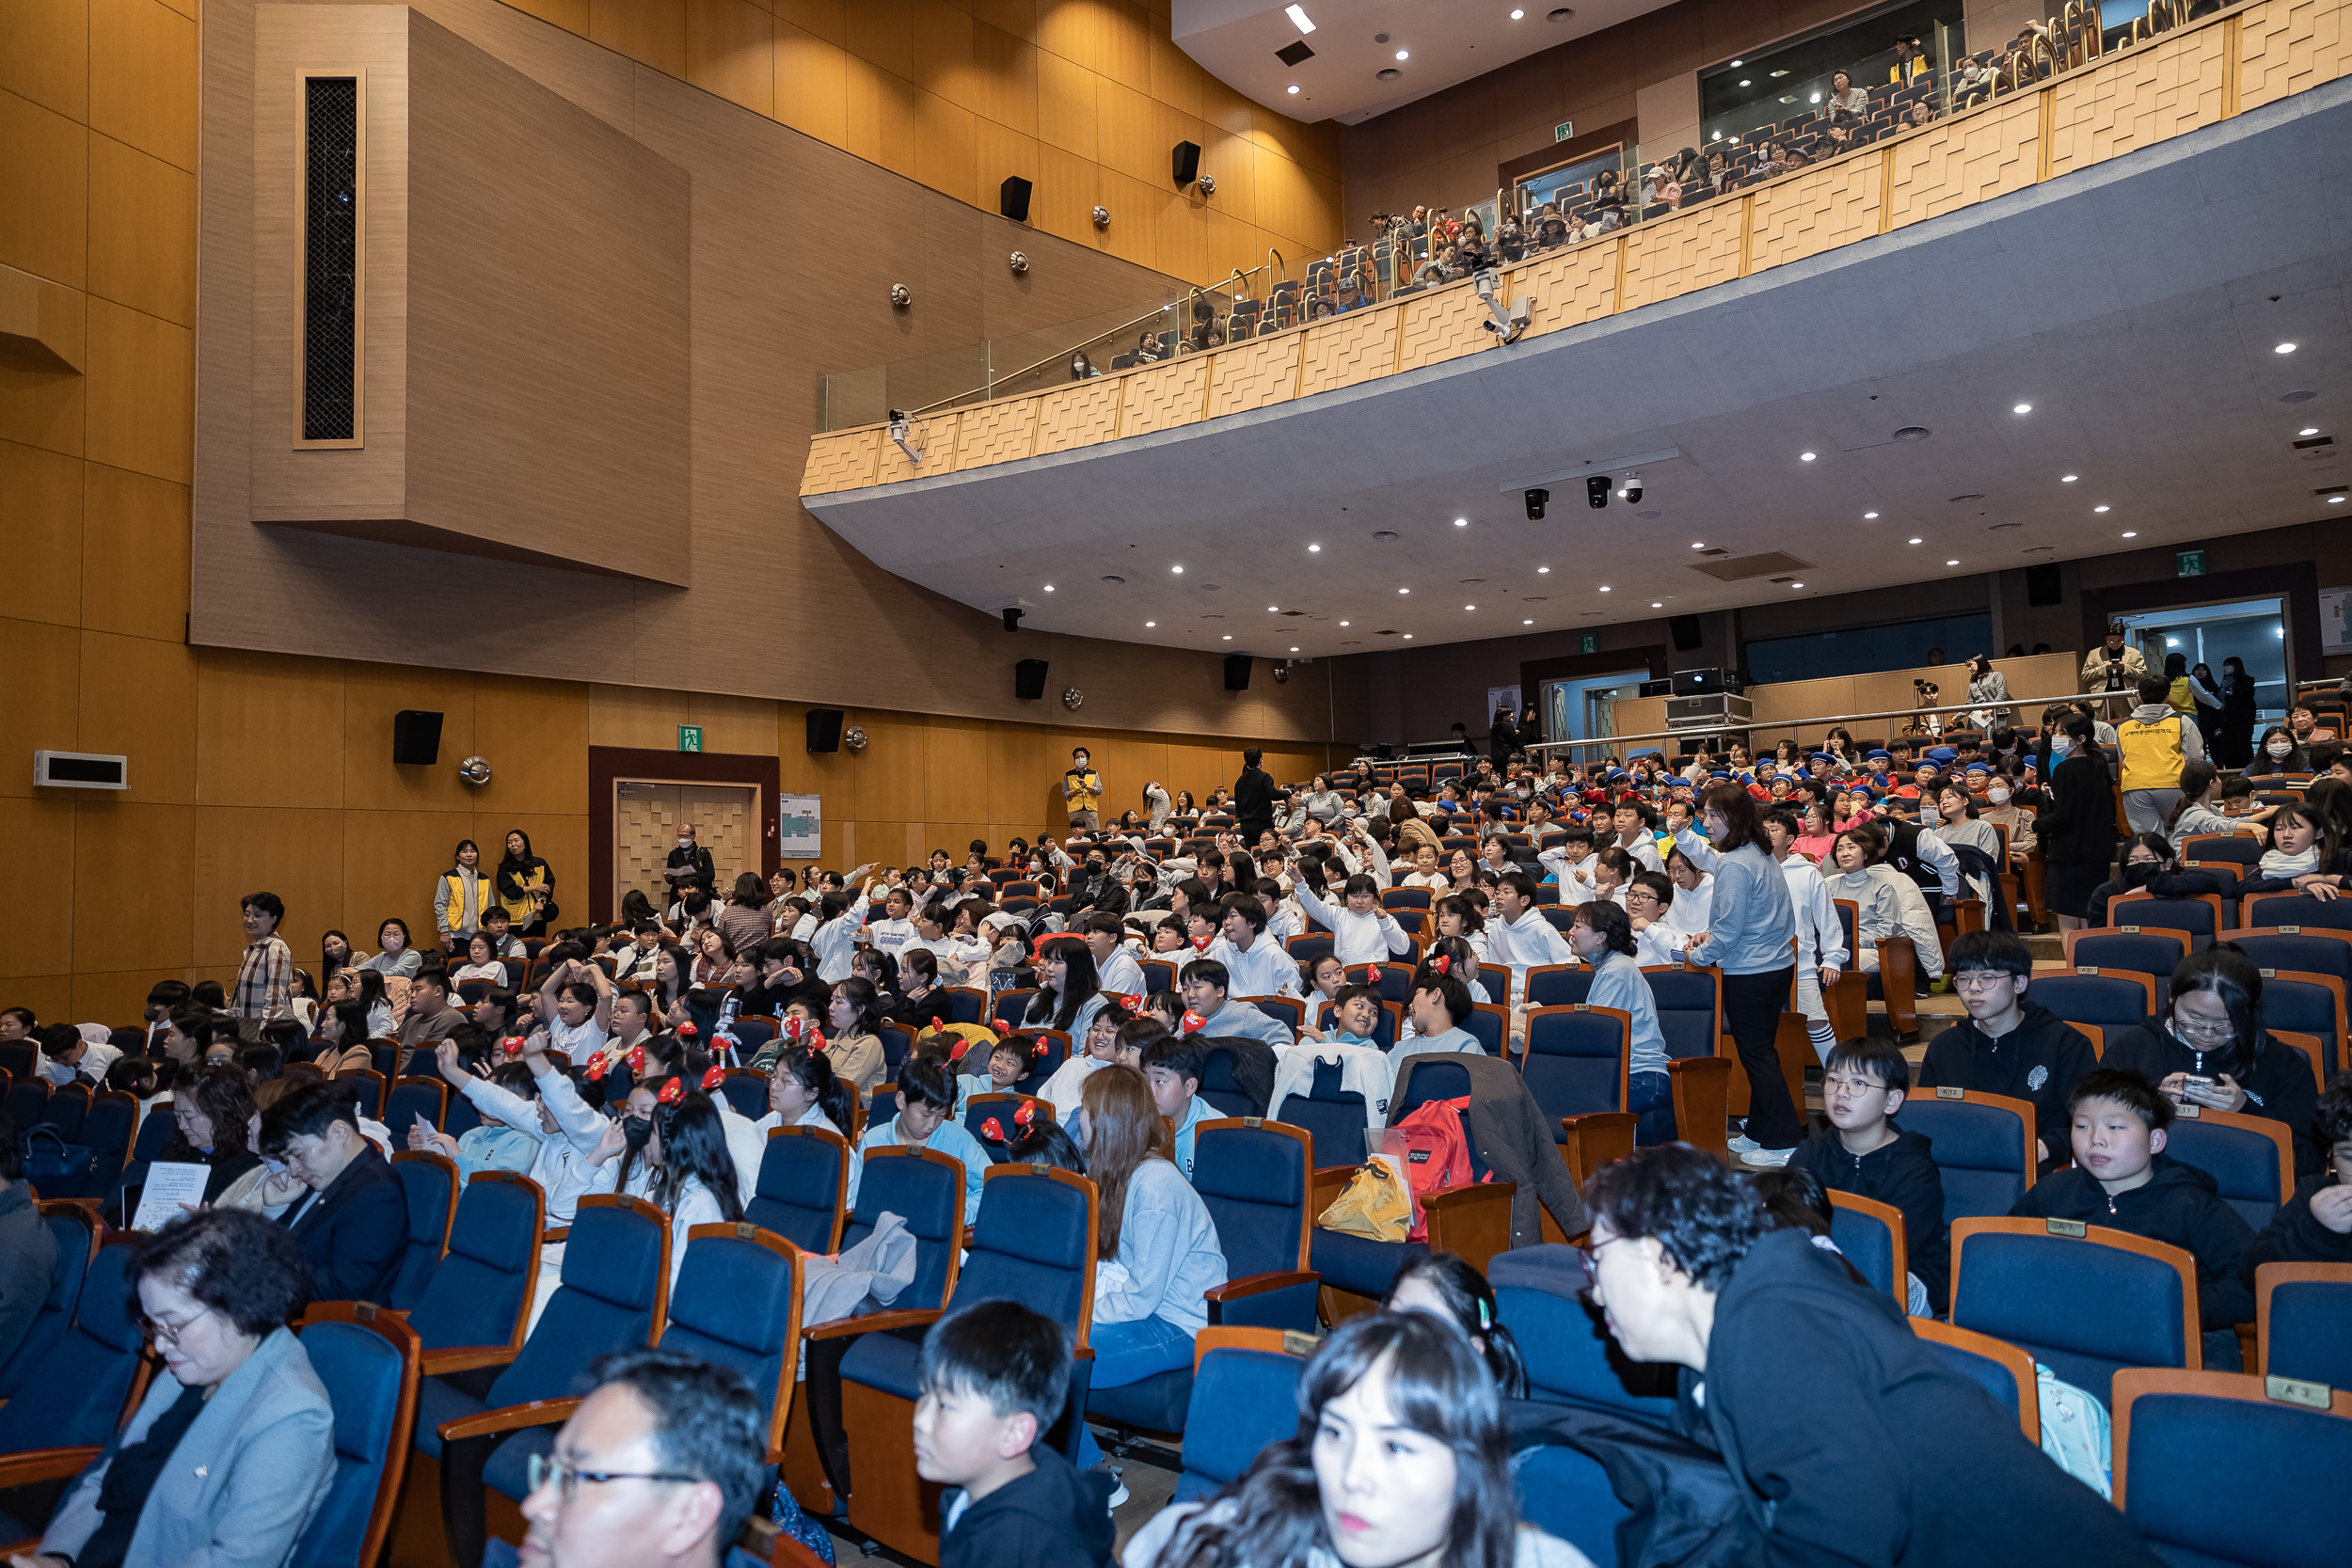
{"x": 55, "y": 1168}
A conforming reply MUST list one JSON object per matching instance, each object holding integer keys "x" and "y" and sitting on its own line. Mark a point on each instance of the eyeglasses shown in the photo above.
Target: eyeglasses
{"x": 1980, "y": 979}
{"x": 163, "y": 1332}
{"x": 1849, "y": 1085}
{"x": 2201, "y": 1028}
{"x": 539, "y": 1469}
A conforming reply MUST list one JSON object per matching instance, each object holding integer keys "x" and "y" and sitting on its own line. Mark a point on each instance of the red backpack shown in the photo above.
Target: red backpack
{"x": 1436, "y": 1156}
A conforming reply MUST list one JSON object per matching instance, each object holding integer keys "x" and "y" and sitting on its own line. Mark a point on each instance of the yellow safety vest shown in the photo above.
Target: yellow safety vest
{"x": 454, "y": 911}
{"x": 2151, "y": 753}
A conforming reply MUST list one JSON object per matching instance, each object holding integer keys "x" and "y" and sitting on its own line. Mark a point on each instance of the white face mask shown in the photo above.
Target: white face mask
{"x": 2062, "y": 744}
{"x": 686, "y": 844}
{"x": 2279, "y": 748}
{"x": 1998, "y": 796}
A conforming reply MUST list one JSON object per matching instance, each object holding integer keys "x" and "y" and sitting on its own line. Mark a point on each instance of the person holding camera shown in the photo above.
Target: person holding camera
{"x": 1926, "y": 695}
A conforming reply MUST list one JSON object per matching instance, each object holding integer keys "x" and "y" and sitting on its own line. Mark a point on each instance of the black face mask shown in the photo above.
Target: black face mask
{"x": 638, "y": 1130}
{"x": 2136, "y": 873}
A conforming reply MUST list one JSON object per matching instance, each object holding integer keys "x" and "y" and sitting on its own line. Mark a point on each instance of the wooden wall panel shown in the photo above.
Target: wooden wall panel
{"x": 2155, "y": 92}
{"x": 37, "y": 932}
{"x": 1254, "y": 374}
{"x": 1356, "y": 347}
{"x": 374, "y": 694}
{"x": 1816, "y": 210}
{"x": 139, "y": 699}
{"x": 133, "y": 873}
{"x": 298, "y": 855}
{"x": 1077, "y": 416}
{"x": 2287, "y": 45}
{"x": 41, "y": 409}
{"x": 1572, "y": 285}
{"x": 645, "y": 719}
{"x": 44, "y": 192}
{"x": 142, "y": 228}
{"x": 269, "y": 731}
{"x": 389, "y": 861}
{"x": 1977, "y": 157}
{"x": 44, "y": 498}
{"x": 134, "y": 554}
{"x": 140, "y": 372}
{"x": 1165, "y": 396}
{"x": 142, "y": 56}
{"x": 1445, "y": 325}
{"x": 1676, "y": 256}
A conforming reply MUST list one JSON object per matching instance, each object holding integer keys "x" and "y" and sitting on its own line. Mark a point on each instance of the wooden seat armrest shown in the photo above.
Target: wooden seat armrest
{"x": 873, "y": 1323}
{"x": 1259, "y": 1284}
{"x": 1328, "y": 1184}
{"x": 464, "y": 1358}
{"x": 36, "y": 1464}
{"x": 513, "y": 1417}
{"x": 557, "y": 1233}
{"x": 1472, "y": 1221}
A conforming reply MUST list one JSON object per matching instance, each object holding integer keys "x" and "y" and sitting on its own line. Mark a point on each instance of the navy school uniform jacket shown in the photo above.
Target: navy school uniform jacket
{"x": 1867, "y": 1448}
{"x": 2278, "y": 1085}
{"x": 2181, "y": 1205}
{"x": 2041, "y": 1060}
{"x": 355, "y": 1233}
{"x": 2295, "y": 1236}
{"x": 1053, "y": 1517}
{"x": 1903, "y": 1174}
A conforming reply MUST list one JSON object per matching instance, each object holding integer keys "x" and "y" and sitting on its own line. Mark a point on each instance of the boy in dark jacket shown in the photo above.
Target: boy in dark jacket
{"x": 2315, "y": 1225}
{"x": 993, "y": 1377}
{"x": 2008, "y": 1045}
{"x": 1868, "y": 1448}
{"x": 2123, "y": 1179}
{"x": 1863, "y": 1152}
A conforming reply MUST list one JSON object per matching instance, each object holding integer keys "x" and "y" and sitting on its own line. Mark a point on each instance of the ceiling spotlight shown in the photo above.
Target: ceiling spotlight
{"x": 1596, "y": 490}
{"x": 2309, "y": 430}
{"x": 1535, "y": 499}
{"x": 2066, "y": 479}
{"x": 2335, "y": 501}
{"x": 1698, "y": 543}
{"x": 1461, "y": 522}
{"x": 2022, "y": 408}
{"x": 1517, "y": 14}
{"x": 1229, "y": 637}
{"x": 1314, "y": 549}
{"x": 1541, "y": 570}
{"x": 2131, "y": 533}
{"x": 1951, "y": 563}
{"x": 2098, "y": 509}
{"x": 1408, "y": 637}
{"x": 1293, "y": 650}
{"x": 1273, "y": 609}
{"x": 1796, "y": 585}
{"x": 1604, "y": 588}
{"x": 1526, "y": 623}
{"x": 1404, "y": 53}
{"x": 1049, "y": 588}
{"x": 1469, "y": 606}
{"x": 1658, "y": 603}
{"x": 1804, "y": 457}
{"x": 1150, "y": 622}
{"x": 2283, "y": 348}
{"x": 1293, "y": 88}
{"x": 1177, "y": 570}
{"x": 1343, "y": 623}
{"x": 1735, "y": 62}
{"x": 1918, "y": 541}
{"x": 1403, "y": 590}
{"x": 1869, "y": 516}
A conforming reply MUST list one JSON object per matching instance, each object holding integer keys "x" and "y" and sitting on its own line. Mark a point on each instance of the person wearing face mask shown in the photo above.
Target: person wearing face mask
{"x": 1082, "y": 789}
{"x": 2150, "y": 863}
{"x": 2277, "y": 753}
{"x": 2077, "y": 827}
{"x": 2210, "y": 1049}
{"x": 689, "y": 861}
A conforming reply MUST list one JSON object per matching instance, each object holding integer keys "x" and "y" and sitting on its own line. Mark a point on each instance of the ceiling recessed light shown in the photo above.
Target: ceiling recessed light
{"x": 1469, "y": 606}
{"x": 1177, "y": 570}
{"x": 1150, "y": 622}
{"x": 1918, "y": 541}
{"x": 1526, "y": 623}
{"x": 2283, "y": 348}
{"x": 1541, "y": 570}
{"x": 1229, "y": 637}
{"x": 1744, "y": 81}
{"x": 1298, "y": 18}
{"x": 2309, "y": 430}
{"x": 1461, "y": 522}
{"x": 2066, "y": 479}
{"x": 1314, "y": 549}
{"x": 1403, "y": 590}
{"x": 2022, "y": 408}
{"x": 1273, "y": 609}
{"x": 1735, "y": 62}
{"x": 1796, "y": 585}
{"x": 1804, "y": 457}
{"x": 1515, "y": 15}
{"x": 1293, "y": 88}
{"x": 1951, "y": 563}
{"x": 1293, "y": 650}
{"x": 1604, "y": 588}
{"x": 1343, "y": 623}
{"x": 2131, "y": 533}
{"x": 1866, "y": 517}
{"x": 1049, "y": 588}
{"x": 1658, "y": 603}
{"x": 1698, "y": 543}
{"x": 2098, "y": 509}
{"x": 2335, "y": 501}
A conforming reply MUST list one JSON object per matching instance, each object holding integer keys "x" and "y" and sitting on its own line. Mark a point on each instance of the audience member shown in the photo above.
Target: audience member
{"x": 1862, "y": 1088}
{"x": 2008, "y": 1044}
{"x": 2210, "y": 1049}
{"x": 27, "y": 1250}
{"x": 352, "y": 1224}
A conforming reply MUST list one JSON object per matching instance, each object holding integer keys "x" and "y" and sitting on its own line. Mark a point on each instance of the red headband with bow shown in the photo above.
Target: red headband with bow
{"x": 1442, "y": 963}
{"x": 511, "y": 1045}
{"x": 671, "y": 1092}
{"x": 715, "y": 1076}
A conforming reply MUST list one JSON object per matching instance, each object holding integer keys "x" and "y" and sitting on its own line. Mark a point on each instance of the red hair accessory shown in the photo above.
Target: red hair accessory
{"x": 593, "y": 1071}
{"x": 1190, "y": 1021}
{"x": 1441, "y": 963}
{"x": 671, "y": 1092}
{"x": 991, "y": 1131}
{"x": 636, "y": 1058}
{"x": 686, "y": 1031}
{"x": 1374, "y": 978}
{"x": 511, "y": 1045}
{"x": 713, "y": 1078}
{"x": 1043, "y": 1047}
{"x": 1026, "y": 1115}
{"x": 1201, "y": 944}
{"x": 1131, "y": 1003}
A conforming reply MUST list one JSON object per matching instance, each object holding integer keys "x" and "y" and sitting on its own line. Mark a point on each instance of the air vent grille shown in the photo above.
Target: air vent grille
{"x": 330, "y": 259}
{"x": 1742, "y": 567}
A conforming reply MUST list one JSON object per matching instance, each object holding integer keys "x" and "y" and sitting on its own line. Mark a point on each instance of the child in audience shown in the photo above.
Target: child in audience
{"x": 993, "y": 1377}
{"x": 1570, "y": 864}
{"x": 1115, "y": 969}
{"x": 1439, "y": 1005}
{"x": 1071, "y": 995}
{"x": 1650, "y": 899}
{"x": 1249, "y": 951}
{"x": 1354, "y": 1018}
{"x": 803, "y": 1092}
{"x": 2315, "y": 1225}
{"x": 1863, "y": 1152}
{"x": 1172, "y": 1065}
{"x": 2123, "y": 1179}
{"x": 1093, "y": 1053}
{"x": 927, "y": 1104}
{"x": 2210, "y": 1049}
{"x": 1613, "y": 870}
{"x": 1002, "y": 1065}
{"x": 1325, "y": 977}
{"x": 854, "y": 1016}
{"x": 2008, "y": 1045}
{"x": 1602, "y": 936}
{"x": 1362, "y": 932}
{"x": 1204, "y": 983}
{"x": 1460, "y": 917}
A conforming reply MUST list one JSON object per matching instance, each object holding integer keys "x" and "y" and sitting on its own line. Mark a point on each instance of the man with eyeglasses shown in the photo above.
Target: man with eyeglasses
{"x": 659, "y": 1466}
{"x": 2008, "y": 1045}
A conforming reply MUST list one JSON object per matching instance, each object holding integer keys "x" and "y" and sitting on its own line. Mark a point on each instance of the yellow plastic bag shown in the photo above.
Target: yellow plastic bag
{"x": 1375, "y": 1205}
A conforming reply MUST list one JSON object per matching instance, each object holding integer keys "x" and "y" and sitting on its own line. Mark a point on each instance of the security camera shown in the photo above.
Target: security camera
{"x": 1596, "y": 491}
{"x": 901, "y": 432}
{"x": 1012, "y": 618}
{"x": 1535, "y": 499}
{"x": 1632, "y": 488}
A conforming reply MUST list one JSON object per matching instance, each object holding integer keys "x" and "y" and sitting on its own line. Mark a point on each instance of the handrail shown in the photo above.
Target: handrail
{"x": 1752, "y": 726}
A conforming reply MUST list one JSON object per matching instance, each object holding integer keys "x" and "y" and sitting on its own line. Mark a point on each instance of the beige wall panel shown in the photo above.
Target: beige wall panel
{"x": 538, "y": 731}
{"x": 842, "y": 462}
{"x": 1165, "y": 396}
{"x": 372, "y": 694}
{"x": 947, "y": 146}
{"x": 1069, "y": 28}
{"x": 1676, "y": 255}
{"x": 297, "y": 855}
{"x": 389, "y": 861}
{"x": 1000, "y": 152}
{"x": 48, "y": 410}
{"x": 1571, "y": 286}
{"x": 1024, "y": 769}
{"x": 1446, "y": 324}
{"x": 651, "y": 32}
{"x": 811, "y": 83}
{"x": 823, "y": 19}
{"x": 891, "y": 773}
{"x": 133, "y": 868}
{"x": 1135, "y": 206}
{"x": 955, "y": 773}
{"x": 939, "y": 38}
{"x": 36, "y": 843}
{"x": 1255, "y": 374}
{"x": 269, "y": 730}
{"x": 1066, "y": 106}
{"x": 2155, "y": 92}
{"x": 139, "y": 698}
{"x": 1807, "y": 213}
{"x": 1004, "y": 70}
{"x": 649, "y": 719}
{"x": 730, "y": 50}
{"x": 1354, "y": 348}
{"x": 1992, "y": 152}
{"x": 142, "y": 58}
{"x": 882, "y": 31}
{"x": 134, "y": 550}
{"x": 142, "y": 230}
{"x": 1176, "y": 77}
{"x": 996, "y": 432}
{"x": 50, "y": 998}
{"x": 570, "y": 15}
{"x": 2287, "y": 45}
{"x": 44, "y": 184}
{"x": 1077, "y": 416}
{"x": 44, "y": 53}
{"x": 934, "y": 437}
{"x": 879, "y": 122}
{"x": 44, "y": 499}
{"x": 140, "y": 370}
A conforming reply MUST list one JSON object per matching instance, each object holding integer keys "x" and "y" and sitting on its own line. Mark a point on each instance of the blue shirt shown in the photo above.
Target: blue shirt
{"x": 1753, "y": 922}
{"x": 949, "y": 1138}
{"x": 1618, "y": 982}
{"x": 1196, "y": 1111}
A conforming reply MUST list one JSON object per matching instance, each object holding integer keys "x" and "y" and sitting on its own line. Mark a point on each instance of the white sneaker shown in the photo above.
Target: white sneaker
{"x": 1766, "y": 1158}
{"x": 1742, "y": 1145}
{"x": 1119, "y": 1496}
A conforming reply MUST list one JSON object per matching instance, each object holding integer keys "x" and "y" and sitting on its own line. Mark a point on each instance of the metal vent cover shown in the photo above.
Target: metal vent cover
{"x": 1740, "y": 568}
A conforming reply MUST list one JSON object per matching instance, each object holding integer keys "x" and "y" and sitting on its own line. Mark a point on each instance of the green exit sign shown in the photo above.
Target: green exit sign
{"x": 689, "y": 738}
{"x": 2189, "y": 564}
{"x": 1562, "y": 131}
{"x": 1590, "y": 644}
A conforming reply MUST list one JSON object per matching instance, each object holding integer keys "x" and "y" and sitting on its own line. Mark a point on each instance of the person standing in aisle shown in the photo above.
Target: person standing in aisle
{"x": 1082, "y": 791}
{"x": 1253, "y": 797}
{"x": 1749, "y": 937}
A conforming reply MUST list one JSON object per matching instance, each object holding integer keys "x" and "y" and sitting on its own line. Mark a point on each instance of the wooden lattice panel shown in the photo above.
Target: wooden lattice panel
{"x": 934, "y": 438}
{"x": 1819, "y": 210}
{"x": 1972, "y": 158}
{"x": 1669, "y": 257}
{"x": 2153, "y": 93}
{"x": 1165, "y": 396}
{"x": 1354, "y": 348}
{"x": 843, "y": 462}
{"x": 1251, "y": 375}
{"x": 996, "y": 432}
{"x": 1443, "y": 326}
{"x": 1077, "y": 415}
{"x": 2287, "y": 45}
{"x": 1570, "y": 287}
{"x": 645, "y": 821}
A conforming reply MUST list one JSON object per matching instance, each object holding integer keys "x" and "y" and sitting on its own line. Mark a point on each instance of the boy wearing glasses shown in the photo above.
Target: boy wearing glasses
{"x": 2008, "y": 1045}
{"x": 1863, "y": 1152}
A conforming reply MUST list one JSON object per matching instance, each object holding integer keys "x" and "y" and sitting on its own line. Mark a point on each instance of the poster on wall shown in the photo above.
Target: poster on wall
{"x": 799, "y": 827}
{"x": 2335, "y": 635}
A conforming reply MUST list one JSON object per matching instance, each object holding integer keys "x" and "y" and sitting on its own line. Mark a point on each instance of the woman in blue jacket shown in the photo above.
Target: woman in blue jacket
{"x": 1750, "y": 934}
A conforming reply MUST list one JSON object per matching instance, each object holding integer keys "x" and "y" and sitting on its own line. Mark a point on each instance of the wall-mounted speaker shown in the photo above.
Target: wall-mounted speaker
{"x": 2041, "y": 585}
{"x": 1012, "y": 199}
{"x": 1184, "y": 162}
{"x": 416, "y": 737}
{"x": 824, "y": 729}
{"x": 1028, "y": 679}
{"x": 1687, "y": 637}
{"x": 1236, "y": 672}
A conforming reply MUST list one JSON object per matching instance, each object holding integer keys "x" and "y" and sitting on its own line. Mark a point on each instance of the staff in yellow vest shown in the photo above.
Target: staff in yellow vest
{"x": 526, "y": 887}
{"x": 460, "y": 897}
{"x": 1082, "y": 787}
{"x": 2153, "y": 746}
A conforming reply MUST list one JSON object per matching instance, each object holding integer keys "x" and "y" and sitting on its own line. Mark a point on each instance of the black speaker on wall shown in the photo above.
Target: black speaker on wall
{"x": 1184, "y": 162}
{"x": 824, "y": 729}
{"x": 1236, "y": 672}
{"x": 2041, "y": 585}
{"x": 416, "y": 737}
{"x": 1012, "y": 199}
{"x": 1686, "y": 633}
{"x": 1028, "y": 679}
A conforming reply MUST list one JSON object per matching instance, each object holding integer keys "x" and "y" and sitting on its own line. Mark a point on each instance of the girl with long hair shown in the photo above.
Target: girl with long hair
{"x": 1069, "y": 996}
{"x": 335, "y": 954}
{"x": 687, "y": 1171}
{"x": 802, "y": 1091}
{"x": 1452, "y": 1291}
{"x": 2210, "y": 1049}
{"x": 1152, "y": 1222}
{"x": 525, "y": 886}
{"x": 854, "y": 1040}
{"x": 2077, "y": 825}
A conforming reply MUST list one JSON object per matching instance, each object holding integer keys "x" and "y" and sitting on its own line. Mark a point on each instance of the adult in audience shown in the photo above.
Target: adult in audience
{"x": 2154, "y": 743}
{"x": 461, "y": 895}
{"x": 1452, "y": 1291}
{"x": 2233, "y": 731}
{"x": 396, "y": 957}
{"x": 351, "y": 1225}
{"x": 1253, "y": 797}
{"x": 266, "y": 974}
{"x": 744, "y": 920}
{"x": 526, "y": 887}
{"x": 1867, "y": 1451}
{"x": 2007, "y": 1044}
{"x": 659, "y": 1464}
{"x": 2077, "y": 826}
{"x": 211, "y": 1108}
{"x": 855, "y": 1047}
{"x": 27, "y": 1251}
{"x": 2114, "y": 668}
{"x": 233, "y": 1447}
{"x": 1749, "y": 938}
{"x": 1082, "y": 791}
{"x": 2210, "y": 1049}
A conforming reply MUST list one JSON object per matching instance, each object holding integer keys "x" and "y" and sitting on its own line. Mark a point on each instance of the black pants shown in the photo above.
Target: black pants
{"x": 1752, "y": 1008}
